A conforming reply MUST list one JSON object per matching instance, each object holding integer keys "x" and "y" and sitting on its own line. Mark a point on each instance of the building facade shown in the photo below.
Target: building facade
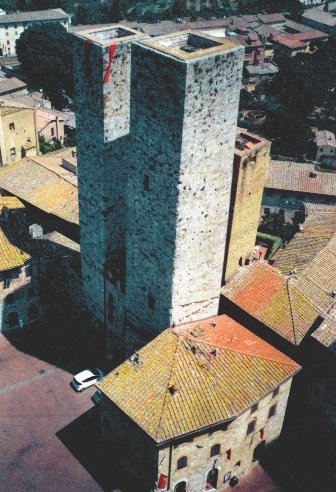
{"x": 250, "y": 167}
{"x": 19, "y": 286}
{"x": 195, "y": 407}
{"x": 154, "y": 214}
{"x": 18, "y": 136}
{"x": 13, "y": 25}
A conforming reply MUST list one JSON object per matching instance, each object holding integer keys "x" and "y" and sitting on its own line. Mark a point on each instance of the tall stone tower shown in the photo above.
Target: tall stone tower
{"x": 102, "y": 66}
{"x": 251, "y": 160}
{"x": 185, "y": 97}
{"x": 156, "y": 134}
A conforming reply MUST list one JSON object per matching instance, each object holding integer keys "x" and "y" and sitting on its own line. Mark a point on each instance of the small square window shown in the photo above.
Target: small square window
{"x": 251, "y": 427}
{"x": 276, "y": 392}
{"x": 13, "y": 152}
{"x": 28, "y": 271}
{"x": 52, "y": 132}
{"x": 254, "y": 408}
{"x": 11, "y": 126}
{"x": 215, "y": 450}
{"x": 182, "y": 462}
{"x": 237, "y": 464}
{"x": 267, "y": 211}
{"x": 227, "y": 477}
{"x": 8, "y": 43}
{"x": 228, "y": 454}
{"x": 146, "y": 182}
{"x": 272, "y": 411}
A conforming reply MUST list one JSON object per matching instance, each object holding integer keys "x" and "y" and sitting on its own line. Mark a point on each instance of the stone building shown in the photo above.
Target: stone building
{"x": 155, "y": 180}
{"x": 250, "y": 166}
{"x": 195, "y": 407}
{"x": 50, "y": 124}
{"x": 13, "y": 25}
{"x": 19, "y": 288}
{"x": 291, "y": 187}
{"x": 18, "y": 136}
{"x": 49, "y": 191}
{"x": 326, "y": 148}
{"x": 322, "y": 17}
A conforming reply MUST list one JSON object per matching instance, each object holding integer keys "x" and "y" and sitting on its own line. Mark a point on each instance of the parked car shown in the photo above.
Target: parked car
{"x": 87, "y": 378}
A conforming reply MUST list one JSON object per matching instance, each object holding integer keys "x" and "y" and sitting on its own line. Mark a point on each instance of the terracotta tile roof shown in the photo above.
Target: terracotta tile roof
{"x": 11, "y": 84}
{"x": 291, "y": 304}
{"x": 41, "y": 187}
{"x": 10, "y": 202}
{"x": 271, "y": 18}
{"x": 11, "y": 253}
{"x": 5, "y": 110}
{"x": 34, "y": 16}
{"x": 209, "y": 388}
{"x": 319, "y": 229}
{"x": 11, "y": 256}
{"x": 312, "y": 208}
{"x": 296, "y": 176}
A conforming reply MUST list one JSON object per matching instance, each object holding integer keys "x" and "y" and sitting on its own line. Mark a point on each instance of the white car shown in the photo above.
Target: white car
{"x": 87, "y": 378}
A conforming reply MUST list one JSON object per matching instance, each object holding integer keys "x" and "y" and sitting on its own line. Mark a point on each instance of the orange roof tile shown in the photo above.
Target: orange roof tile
{"x": 211, "y": 386}
{"x": 289, "y": 304}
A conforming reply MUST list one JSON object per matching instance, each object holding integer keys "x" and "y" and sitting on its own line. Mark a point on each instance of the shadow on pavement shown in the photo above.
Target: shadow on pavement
{"x": 82, "y": 438}
{"x": 69, "y": 347}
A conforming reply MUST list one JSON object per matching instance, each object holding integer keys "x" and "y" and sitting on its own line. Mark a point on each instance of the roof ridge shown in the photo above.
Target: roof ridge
{"x": 169, "y": 378}
{"x": 244, "y": 352}
{"x": 291, "y": 309}
{"x": 48, "y": 169}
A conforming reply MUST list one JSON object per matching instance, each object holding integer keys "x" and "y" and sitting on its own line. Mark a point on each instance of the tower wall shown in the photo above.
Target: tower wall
{"x": 184, "y": 115}
{"x": 102, "y": 66}
{"x": 251, "y": 160}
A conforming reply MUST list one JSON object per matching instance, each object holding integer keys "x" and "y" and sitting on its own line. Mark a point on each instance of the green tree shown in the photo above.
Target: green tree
{"x": 44, "y": 52}
{"x": 276, "y": 225}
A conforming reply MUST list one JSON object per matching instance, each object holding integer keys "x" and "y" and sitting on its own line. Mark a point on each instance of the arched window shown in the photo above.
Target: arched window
{"x": 13, "y": 320}
{"x": 32, "y": 312}
{"x": 215, "y": 450}
{"x": 182, "y": 462}
{"x": 180, "y": 487}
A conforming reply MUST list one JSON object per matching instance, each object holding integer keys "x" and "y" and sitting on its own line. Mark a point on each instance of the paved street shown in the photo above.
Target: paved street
{"x": 36, "y": 406}
{"x": 49, "y": 433}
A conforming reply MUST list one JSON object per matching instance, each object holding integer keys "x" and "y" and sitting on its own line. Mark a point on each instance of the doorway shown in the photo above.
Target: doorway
{"x": 180, "y": 487}
{"x": 212, "y": 479}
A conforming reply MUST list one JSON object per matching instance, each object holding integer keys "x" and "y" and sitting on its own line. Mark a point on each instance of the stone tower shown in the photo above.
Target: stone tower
{"x": 251, "y": 160}
{"x": 185, "y": 97}
{"x": 102, "y": 66}
{"x": 156, "y": 134}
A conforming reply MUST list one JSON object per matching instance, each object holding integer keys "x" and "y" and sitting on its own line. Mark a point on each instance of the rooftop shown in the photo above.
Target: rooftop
{"x": 36, "y": 15}
{"x": 195, "y": 376}
{"x": 39, "y": 182}
{"x": 296, "y": 292}
{"x": 11, "y": 255}
{"x": 103, "y": 36}
{"x": 324, "y": 137}
{"x": 11, "y": 84}
{"x": 320, "y": 15}
{"x": 247, "y": 142}
{"x": 187, "y": 45}
{"x": 300, "y": 177}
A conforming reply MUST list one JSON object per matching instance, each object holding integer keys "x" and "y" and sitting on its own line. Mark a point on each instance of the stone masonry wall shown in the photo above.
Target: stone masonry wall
{"x": 247, "y": 190}
{"x": 236, "y": 447}
{"x": 183, "y": 132}
{"x": 103, "y": 115}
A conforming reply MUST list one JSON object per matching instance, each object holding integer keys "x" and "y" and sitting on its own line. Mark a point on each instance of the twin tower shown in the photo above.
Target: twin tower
{"x": 156, "y": 125}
